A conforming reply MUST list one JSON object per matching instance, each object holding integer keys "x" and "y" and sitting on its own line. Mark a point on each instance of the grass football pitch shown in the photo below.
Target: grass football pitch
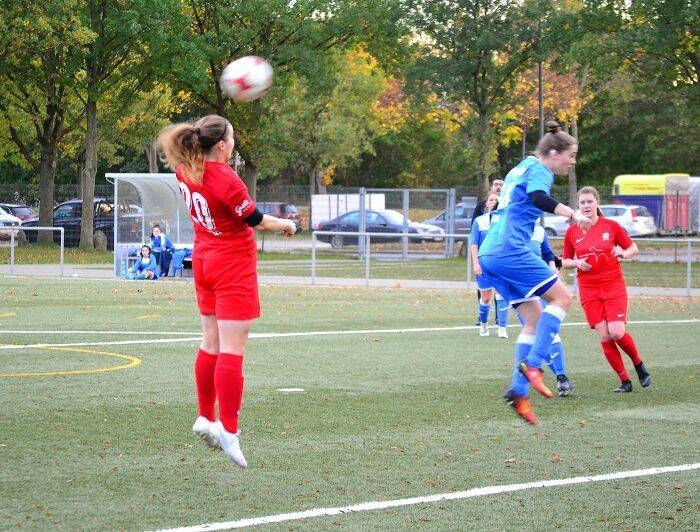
{"x": 397, "y": 399}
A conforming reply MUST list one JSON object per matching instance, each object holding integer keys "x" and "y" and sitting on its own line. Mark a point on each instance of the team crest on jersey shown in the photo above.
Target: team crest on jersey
{"x": 606, "y": 236}
{"x": 242, "y": 207}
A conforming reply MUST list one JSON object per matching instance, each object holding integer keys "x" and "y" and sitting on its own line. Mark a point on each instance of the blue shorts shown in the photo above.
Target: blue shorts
{"x": 484, "y": 282}
{"x": 520, "y": 277}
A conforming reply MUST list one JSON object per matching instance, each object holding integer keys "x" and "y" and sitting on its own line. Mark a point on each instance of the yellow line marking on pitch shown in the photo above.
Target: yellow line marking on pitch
{"x": 133, "y": 362}
{"x": 148, "y": 316}
{"x": 7, "y": 314}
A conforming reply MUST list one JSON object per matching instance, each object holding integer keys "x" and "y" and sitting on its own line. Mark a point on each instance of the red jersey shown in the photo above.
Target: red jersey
{"x": 595, "y": 247}
{"x": 218, "y": 207}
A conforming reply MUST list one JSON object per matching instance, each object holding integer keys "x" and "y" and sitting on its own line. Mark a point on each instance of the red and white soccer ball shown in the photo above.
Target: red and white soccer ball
{"x": 246, "y": 79}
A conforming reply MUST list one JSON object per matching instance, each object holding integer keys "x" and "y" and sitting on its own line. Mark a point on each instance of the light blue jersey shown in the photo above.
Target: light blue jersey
{"x": 514, "y": 221}
{"x": 539, "y": 244}
{"x": 507, "y": 255}
{"x": 480, "y": 228}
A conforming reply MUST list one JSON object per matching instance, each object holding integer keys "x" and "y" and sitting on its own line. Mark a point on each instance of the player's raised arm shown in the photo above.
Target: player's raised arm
{"x": 272, "y": 224}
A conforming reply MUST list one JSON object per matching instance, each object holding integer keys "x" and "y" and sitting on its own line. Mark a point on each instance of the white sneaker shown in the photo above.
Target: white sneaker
{"x": 231, "y": 445}
{"x": 206, "y": 430}
{"x": 502, "y": 332}
{"x": 483, "y": 329}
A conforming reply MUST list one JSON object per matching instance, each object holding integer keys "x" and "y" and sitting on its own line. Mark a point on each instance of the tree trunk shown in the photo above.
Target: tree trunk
{"x": 87, "y": 176}
{"x": 318, "y": 177}
{"x": 573, "y": 186}
{"x": 312, "y": 182}
{"x": 250, "y": 178}
{"x": 152, "y": 156}
{"x": 47, "y": 175}
{"x": 486, "y": 153}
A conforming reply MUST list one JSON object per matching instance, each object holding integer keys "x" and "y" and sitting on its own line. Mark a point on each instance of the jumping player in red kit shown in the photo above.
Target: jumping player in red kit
{"x": 224, "y": 261}
{"x": 595, "y": 254}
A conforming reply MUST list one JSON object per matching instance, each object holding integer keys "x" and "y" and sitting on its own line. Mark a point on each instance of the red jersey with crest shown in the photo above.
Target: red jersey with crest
{"x": 218, "y": 207}
{"x": 595, "y": 247}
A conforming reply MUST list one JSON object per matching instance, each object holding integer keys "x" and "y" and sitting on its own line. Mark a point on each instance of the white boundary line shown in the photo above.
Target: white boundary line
{"x": 279, "y": 335}
{"x": 475, "y": 492}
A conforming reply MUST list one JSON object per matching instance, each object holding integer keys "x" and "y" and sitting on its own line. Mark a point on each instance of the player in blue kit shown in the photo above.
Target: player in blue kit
{"x": 480, "y": 227}
{"x": 520, "y": 275}
{"x": 539, "y": 243}
{"x": 556, "y": 360}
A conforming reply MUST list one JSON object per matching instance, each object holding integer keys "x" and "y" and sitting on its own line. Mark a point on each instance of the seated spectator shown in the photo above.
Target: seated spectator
{"x": 178, "y": 258}
{"x": 145, "y": 266}
{"x": 162, "y": 250}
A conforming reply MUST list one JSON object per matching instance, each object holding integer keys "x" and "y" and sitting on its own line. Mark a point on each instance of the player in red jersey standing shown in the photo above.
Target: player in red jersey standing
{"x": 602, "y": 291}
{"x": 224, "y": 261}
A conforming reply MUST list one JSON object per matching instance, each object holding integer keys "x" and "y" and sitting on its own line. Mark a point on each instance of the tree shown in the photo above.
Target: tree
{"x": 641, "y": 60}
{"x": 468, "y": 52}
{"x": 41, "y": 42}
{"x": 131, "y": 42}
{"x": 298, "y": 38}
{"x": 417, "y": 145}
{"x": 324, "y": 129}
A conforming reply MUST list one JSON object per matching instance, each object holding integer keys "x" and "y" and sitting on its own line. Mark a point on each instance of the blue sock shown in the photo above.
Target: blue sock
{"x": 547, "y": 328}
{"x": 502, "y": 312}
{"x": 484, "y": 312}
{"x": 556, "y": 357}
{"x": 519, "y": 384}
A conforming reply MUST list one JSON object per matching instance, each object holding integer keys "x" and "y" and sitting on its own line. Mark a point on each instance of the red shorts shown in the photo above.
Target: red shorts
{"x": 227, "y": 287}
{"x": 605, "y": 303}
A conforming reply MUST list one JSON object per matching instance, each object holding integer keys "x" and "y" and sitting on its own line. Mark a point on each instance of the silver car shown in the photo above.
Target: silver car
{"x": 555, "y": 225}
{"x": 635, "y": 219}
{"x": 463, "y": 213}
{"x": 6, "y": 222}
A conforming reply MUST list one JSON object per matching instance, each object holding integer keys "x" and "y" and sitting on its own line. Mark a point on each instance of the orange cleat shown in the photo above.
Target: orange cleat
{"x": 534, "y": 375}
{"x": 523, "y": 407}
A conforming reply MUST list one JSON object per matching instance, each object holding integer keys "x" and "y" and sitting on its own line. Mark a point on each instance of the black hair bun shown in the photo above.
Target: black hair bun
{"x": 553, "y": 126}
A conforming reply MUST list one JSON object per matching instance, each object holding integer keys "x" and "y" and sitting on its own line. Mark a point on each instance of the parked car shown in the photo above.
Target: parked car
{"x": 287, "y": 211}
{"x": 464, "y": 210}
{"x": 377, "y": 221}
{"x": 555, "y": 225}
{"x": 22, "y": 212}
{"x": 7, "y": 221}
{"x": 69, "y": 216}
{"x": 635, "y": 219}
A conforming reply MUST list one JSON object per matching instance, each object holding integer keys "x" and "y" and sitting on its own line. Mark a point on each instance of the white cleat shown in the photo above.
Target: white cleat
{"x": 502, "y": 332}
{"x": 483, "y": 329}
{"x": 207, "y": 431}
{"x": 231, "y": 445}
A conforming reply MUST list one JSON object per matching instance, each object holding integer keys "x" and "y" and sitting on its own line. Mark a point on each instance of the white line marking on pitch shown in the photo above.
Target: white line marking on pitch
{"x": 159, "y": 333}
{"x": 124, "y": 342}
{"x": 254, "y": 336}
{"x": 475, "y": 492}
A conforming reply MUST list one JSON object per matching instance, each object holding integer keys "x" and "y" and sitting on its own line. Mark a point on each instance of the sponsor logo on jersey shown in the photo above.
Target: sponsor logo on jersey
{"x": 242, "y": 207}
{"x": 593, "y": 252}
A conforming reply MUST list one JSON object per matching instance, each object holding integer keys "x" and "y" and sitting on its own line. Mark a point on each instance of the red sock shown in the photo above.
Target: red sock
{"x": 615, "y": 359}
{"x": 204, "y": 365}
{"x": 627, "y": 344}
{"x": 229, "y": 389}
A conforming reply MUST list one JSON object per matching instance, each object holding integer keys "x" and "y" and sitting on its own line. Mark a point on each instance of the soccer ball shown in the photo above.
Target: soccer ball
{"x": 246, "y": 79}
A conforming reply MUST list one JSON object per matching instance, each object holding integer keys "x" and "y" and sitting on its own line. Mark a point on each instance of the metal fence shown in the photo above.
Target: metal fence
{"x": 679, "y": 255}
{"x": 28, "y": 193}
